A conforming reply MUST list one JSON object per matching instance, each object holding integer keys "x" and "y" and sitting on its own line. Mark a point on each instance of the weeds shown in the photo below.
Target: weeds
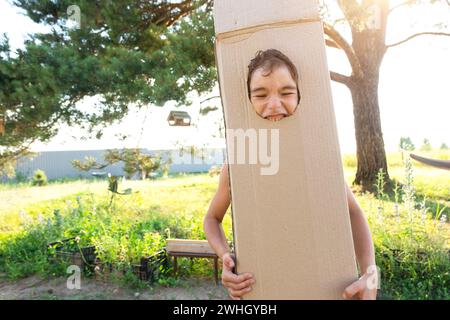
{"x": 411, "y": 237}
{"x": 135, "y": 226}
{"x": 412, "y": 245}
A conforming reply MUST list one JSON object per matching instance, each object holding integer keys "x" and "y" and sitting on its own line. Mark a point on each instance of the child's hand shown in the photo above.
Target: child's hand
{"x": 237, "y": 285}
{"x": 362, "y": 289}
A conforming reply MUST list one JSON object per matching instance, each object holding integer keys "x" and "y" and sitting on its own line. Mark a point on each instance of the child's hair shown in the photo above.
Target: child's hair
{"x": 268, "y": 60}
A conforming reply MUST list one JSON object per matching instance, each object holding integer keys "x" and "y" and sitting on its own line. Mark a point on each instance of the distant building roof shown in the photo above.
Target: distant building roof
{"x": 179, "y": 118}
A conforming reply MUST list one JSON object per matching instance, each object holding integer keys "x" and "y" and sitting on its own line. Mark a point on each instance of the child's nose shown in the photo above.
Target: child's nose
{"x": 274, "y": 106}
{"x": 274, "y": 102}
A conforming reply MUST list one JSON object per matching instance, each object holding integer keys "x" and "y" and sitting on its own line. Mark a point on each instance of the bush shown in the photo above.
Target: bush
{"x": 411, "y": 243}
{"x": 349, "y": 161}
{"x": 21, "y": 177}
{"x": 26, "y": 253}
{"x": 411, "y": 240}
{"x": 396, "y": 159}
{"x": 214, "y": 171}
{"x": 39, "y": 178}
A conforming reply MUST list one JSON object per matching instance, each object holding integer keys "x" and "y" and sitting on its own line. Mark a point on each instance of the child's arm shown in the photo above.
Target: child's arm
{"x": 237, "y": 285}
{"x": 212, "y": 223}
{"x": 364, "y": 251}
{"x": 362, "y": 238}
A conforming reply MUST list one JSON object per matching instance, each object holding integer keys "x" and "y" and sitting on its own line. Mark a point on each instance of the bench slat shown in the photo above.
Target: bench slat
{"x": 194, "y": 246}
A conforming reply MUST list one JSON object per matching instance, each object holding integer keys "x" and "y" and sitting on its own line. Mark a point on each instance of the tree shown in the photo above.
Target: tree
{"x": 406, "y": 144}
{"x": 175, "y": 39}
{"x": 135, "y": 162}
{"x": 126, "y": 52}
{"x": 367, "y": 22}
{"x": 444, "y": 146}
{"x": 426, "y": 145}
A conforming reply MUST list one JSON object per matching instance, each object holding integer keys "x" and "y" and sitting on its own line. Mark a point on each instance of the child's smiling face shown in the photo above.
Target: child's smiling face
{"x": 274, "y": 96}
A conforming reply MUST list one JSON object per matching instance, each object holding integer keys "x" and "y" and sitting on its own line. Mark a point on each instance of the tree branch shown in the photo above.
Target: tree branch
{"x": 330, "y": 43}
{"x": 344, "y": 45}
{"x": 408, "y": 2}
{"x": 340, "y": 78}
{"x": 350, "y": 9}
{"x": 210, "y": 98}
{"x": 166, "y": 14}
{"x": 416, "y": 35}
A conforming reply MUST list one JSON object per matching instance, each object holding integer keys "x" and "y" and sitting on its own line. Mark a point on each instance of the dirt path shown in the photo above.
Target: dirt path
{"x": 35, "y": 288}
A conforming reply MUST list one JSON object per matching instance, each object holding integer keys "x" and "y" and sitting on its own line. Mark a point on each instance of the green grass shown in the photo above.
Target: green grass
{"x": 134, "y": 226}
{"x": 410, "y": 228}
{"x": 430, "y": 184}
{"x": 411, "y": 242}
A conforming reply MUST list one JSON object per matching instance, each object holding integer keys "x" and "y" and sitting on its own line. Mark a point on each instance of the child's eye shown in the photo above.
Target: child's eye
{"x": 287, "y": 93}
{"x": 262, "y": 96}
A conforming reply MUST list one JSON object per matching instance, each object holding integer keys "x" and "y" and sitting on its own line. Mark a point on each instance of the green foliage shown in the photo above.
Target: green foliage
{"x": 214, "y": 170}
{"x": 133, "y": 227}
{"x": 123, "y": 53}
{"x": 444, "y": 147}
{"x": 395, "y": 160}
{"x": 406, "y": 144}
{"x": 20, "y": 177}
{"x": 412, "y": 245}
{"x": 411, "y": 239}
{"x": 426, "y": 145}
{"x": 349, "y": 161}
{"x": 39, "y": 178}
{"x": 26, "y": 252}
{"x": 381, "y": 185}
{"x": 135, "y": 162}
{"x": 89, "y": 163}
{"x": 169, "y": 282}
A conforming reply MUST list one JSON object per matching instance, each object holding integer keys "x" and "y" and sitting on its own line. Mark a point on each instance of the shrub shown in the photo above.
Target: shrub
{"x": 21, "y": 177}
{"x": 349, "y": 161}
{"x": 39, "y": 178}
{"x": 411, "y": 240}
{"x": 411, "y": 243}
{"x": 214, "y": 171}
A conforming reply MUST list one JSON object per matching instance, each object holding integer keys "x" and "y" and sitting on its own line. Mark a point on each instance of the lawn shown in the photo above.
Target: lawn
{"x": 412, "y": 240}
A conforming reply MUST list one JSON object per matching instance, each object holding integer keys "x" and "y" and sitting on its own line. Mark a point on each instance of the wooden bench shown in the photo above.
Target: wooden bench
{"x": 192, "y": 249}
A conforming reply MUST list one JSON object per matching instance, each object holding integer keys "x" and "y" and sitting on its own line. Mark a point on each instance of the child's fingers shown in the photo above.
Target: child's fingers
{"x": 354, "y": 288}
{"x": 233, "y": 278}
{"x": 239, "y": 293}
{"x": 241, "y": 285}
{"x": 228, "y": 261}
{"x": 230, "y": 280}
{"x": 369, "y": 294}
{"x": 234, "y": 298}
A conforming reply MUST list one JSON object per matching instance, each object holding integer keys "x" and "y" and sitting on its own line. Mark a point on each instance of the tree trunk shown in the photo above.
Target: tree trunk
{"x": 369, "y": 49}
{"x": 371, "y": 156}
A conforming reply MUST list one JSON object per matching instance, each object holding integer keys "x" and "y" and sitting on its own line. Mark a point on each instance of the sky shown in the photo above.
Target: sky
{"x": 414, "y": 93}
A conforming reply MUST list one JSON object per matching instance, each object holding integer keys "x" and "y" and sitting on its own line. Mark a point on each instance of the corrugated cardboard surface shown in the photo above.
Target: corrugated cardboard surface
{"x": 292, "y": 229}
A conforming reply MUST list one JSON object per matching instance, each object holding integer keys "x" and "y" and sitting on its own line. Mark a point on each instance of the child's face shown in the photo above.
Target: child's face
{"x": 274, "y": 96}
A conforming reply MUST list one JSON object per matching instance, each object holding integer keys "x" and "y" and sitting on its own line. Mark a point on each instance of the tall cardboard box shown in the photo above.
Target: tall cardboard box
{"x": 292, "y": 228}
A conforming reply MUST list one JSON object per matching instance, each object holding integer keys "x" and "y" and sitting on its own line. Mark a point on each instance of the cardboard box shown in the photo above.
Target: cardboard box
{"x": 292, "y": 228}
